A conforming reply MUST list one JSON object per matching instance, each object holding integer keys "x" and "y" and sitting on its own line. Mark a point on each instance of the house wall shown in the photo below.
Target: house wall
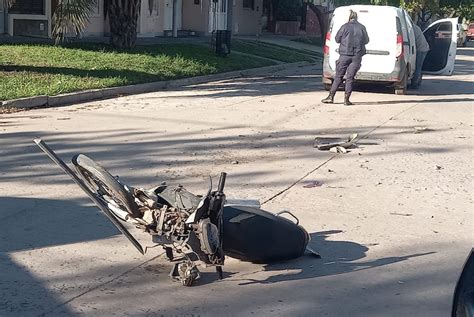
{"x": 150, "y": 25}
{"x": 97, "y": 26}
{"x": 196, "y": 16}
{"x": 312, "y": 23}
{"x": 246, "y": 21}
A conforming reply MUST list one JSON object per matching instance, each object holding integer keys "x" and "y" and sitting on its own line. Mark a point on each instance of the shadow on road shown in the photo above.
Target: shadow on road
{"x": 432, "y": 100}
{"x": 338, "y": 257}
{"x": 160, "y": 158}
{"x": 27, "y": 224}
{"x": 48, "y": 222}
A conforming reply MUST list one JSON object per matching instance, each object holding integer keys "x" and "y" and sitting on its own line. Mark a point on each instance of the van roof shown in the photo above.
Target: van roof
{"x": 369, "y": 8}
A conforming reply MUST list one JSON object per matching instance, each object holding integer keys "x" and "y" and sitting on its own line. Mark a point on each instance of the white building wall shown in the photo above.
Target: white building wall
{"x": 150, "y": 22}
{"x": 97, "y": 26}
{"x": 246, "y": 21}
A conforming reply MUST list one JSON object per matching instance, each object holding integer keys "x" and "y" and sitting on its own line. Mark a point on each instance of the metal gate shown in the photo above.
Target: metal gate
{"x": 217, "y": 15}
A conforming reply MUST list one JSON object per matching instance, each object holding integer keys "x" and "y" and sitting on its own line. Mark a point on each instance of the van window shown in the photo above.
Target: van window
{"x": 445, "y": 27}
{"x": 409, "y": 26}
{"x": 399, "y": 26}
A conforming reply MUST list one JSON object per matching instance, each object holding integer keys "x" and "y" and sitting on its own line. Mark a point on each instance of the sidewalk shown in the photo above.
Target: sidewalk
{"x": 283, "y": 40}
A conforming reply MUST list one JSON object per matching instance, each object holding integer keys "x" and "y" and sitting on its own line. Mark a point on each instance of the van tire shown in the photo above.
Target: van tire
{"x": 327, "y": 87}
{"x": 401, "y": 87}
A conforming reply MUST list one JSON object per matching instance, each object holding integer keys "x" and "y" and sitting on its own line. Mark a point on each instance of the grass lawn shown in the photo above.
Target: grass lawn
{"x": 309, "y": 40}
{"x": 40, "y": 69}
{"x": 275, "y": 52}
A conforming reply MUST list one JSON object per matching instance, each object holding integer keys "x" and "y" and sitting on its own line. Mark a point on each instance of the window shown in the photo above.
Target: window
{"x": 28, "y": 7}
{"x": 153, "y": 7}
{"x": 445, "y": 26}
{"x": 249, "y": 4}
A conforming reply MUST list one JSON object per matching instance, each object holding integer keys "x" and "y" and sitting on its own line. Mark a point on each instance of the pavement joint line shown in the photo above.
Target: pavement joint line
{"x": 333, "y": 156}
{"x": 99, "y": 286}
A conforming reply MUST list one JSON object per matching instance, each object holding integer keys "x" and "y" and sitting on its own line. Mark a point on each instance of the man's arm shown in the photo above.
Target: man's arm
{"x": 366, "y": 36}
{"x": 339, "y": 33}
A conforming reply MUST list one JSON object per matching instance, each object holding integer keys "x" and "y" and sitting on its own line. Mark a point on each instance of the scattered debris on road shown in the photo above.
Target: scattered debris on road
{"x": 421, "y": 129}
{"x": 335, "y": 145}
{"x": 338, "y": 149}
{"x": 313, "y": 184}
{"x": 401, "y": 214}
{"x": 7, "y": 110}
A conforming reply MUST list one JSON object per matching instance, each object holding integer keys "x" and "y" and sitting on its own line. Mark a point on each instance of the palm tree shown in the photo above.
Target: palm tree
{"x": 70, "y": 17}
{"x": 123, "y": 20}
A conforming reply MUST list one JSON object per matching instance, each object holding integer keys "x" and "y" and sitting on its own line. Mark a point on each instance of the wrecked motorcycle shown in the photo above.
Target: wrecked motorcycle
{"x": 192, "y": 229}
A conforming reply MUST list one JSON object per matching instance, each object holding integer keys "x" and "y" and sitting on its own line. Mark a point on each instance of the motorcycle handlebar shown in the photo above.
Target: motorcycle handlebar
{"x": 220, "y": 186}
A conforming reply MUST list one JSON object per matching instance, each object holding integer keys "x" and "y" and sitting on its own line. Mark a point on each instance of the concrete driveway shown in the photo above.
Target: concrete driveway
{"x": 392, "y": 218}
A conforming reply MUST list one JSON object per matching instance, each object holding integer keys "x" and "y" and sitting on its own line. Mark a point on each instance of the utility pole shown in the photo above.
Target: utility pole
{"x": 230, "y": 6}
{"x": 175, "y": 19}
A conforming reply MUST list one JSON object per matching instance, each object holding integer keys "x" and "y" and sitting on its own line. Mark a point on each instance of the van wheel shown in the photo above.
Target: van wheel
{"x": 401, "y": 87}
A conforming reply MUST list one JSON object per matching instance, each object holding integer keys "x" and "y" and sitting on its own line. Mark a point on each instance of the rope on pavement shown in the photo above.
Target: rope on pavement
{"x": 325, "y": 162}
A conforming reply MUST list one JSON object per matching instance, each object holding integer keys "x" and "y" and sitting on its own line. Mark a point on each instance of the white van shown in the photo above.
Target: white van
{"x": 391, "y": 51}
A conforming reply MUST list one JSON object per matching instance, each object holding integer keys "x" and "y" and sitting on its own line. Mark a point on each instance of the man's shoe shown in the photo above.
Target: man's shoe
{"x": 328, "y": 99}
{"x": 347, "y": 102}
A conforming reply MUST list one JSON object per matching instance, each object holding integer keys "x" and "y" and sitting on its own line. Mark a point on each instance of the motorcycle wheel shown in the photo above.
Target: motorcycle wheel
{"x": 102, "y": 183}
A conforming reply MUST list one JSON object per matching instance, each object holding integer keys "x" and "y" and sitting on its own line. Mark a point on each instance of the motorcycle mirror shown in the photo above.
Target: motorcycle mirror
{"x": 210, "y": 186}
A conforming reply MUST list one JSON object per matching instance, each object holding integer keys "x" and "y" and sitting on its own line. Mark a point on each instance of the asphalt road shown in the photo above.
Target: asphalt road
{"x": 392, "y": 219}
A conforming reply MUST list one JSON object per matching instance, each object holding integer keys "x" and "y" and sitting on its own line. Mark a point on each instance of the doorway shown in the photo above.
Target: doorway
{"x": 217, "y": 15}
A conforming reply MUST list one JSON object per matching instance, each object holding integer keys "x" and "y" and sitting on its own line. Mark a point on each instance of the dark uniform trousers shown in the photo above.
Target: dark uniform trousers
{"x": 346, "y": 65}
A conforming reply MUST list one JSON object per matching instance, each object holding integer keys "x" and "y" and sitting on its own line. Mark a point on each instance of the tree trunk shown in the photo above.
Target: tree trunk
{"x": 123, "y": 20}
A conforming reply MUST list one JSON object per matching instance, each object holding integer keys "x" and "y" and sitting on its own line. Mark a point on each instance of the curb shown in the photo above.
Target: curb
{"x": 113, "y": 92}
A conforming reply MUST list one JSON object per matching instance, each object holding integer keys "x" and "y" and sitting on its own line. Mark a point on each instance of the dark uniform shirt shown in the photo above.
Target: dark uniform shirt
{"x": 352, "y": 37}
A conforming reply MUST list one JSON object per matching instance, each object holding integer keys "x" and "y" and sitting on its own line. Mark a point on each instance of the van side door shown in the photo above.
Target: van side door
{"x": 406, "y": 40}
{"x": 411, "y": 44}
{"x": 441, "y": 35}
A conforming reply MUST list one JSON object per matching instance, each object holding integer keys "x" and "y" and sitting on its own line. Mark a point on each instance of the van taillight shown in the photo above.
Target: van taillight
{"x": 399, "y": 45}
{"x": 326, "y": 46}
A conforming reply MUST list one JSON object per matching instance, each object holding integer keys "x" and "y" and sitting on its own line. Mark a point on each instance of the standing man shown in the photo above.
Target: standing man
{"x": 422, "y": 48}
{"x": 352, "y": 37}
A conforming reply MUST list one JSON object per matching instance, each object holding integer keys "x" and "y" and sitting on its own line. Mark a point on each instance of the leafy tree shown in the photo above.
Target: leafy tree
{"x": 423, "y": 9}
{"x": 339, "y": 3}
{"x": 459, "y": 8}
